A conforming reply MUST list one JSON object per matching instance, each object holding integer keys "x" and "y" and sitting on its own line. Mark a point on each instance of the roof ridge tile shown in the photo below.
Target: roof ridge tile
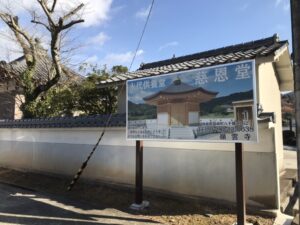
{"x": 214, "y": 52}
{"x": 234, "y": 53}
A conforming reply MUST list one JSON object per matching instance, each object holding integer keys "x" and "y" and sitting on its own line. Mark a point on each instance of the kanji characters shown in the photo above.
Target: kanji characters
{"x": 154, "y": 83}
{"x": 234, "y": 136}
{"x": 146, "y": 84}
{"x": 201, "y": 78}
{"x": 222, "y": 136}
{"x": 161, "y": 83}
{"x": 221, "y": 74}
{"x": 243, "y": 71}
{"x": 247, "y": 136}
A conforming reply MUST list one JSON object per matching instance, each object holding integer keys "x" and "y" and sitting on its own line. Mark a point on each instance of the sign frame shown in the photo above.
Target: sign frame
{"x": 255, "y": 120}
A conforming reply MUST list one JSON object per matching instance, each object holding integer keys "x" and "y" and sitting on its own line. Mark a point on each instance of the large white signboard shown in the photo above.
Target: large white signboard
{"x": 212, "y": 104}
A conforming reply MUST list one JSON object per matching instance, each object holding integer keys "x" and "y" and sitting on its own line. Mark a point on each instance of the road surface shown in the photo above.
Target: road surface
{"x": 27, "y": 207}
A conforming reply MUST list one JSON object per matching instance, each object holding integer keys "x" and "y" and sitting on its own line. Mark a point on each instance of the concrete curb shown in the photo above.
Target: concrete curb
{"x": 283, "y": 219}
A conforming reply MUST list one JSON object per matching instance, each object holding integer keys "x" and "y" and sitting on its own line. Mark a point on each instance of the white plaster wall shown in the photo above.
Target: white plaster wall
{"x": 18, "y": 102}
{"x": 196, "y": 169}
{"x": 193, "y": 117}
{"x": 270, "y": 99}
{"x": 121, "y": 107}
{"x": 163, "y": 119}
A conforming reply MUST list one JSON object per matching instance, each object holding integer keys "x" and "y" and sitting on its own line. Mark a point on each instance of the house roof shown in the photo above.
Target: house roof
{"x": 245, "y": 51}
{"x": 43, "y": 69}
{"x": 178, "y": 87}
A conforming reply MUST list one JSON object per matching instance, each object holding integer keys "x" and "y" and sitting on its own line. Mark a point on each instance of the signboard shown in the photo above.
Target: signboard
{"x": 213, "y": 104}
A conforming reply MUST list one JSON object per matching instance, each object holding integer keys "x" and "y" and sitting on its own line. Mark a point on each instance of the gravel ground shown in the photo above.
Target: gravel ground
{"x": 165, "y": 210}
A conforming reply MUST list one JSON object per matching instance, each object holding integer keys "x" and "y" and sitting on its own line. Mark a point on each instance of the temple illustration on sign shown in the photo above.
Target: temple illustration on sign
{"x": 215, "y": 104}
{"x": 178, "y": 104}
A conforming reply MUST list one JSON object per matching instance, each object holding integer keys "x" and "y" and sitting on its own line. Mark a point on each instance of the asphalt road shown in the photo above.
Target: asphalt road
{"x": 27, "y": 207}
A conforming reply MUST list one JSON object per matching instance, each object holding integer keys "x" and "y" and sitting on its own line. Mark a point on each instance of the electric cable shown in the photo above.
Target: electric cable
{"x": 142, "y": 35}
{"x": 84, "y": 164}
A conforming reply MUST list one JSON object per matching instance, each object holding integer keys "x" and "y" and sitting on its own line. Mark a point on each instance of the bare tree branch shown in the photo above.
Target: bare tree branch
{"x": 41, "y": 23}
{"x": 53, "y": 6}
{"x": 36, "y": 21}
{"x": 56, "y": 30}
{"x": 73, "y": 12}
{"x": 73, "y": 22}
{"x": 22, "y": 37}
{"x": 46, "y": 11}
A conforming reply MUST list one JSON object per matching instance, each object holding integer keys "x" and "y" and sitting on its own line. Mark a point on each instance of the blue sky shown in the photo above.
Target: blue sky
{"x": 179, "y": 27}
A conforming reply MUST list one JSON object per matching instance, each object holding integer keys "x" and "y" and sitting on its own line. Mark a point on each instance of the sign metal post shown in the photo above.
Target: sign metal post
{"x": 240, "y": 185}
{"x": 139, "y": 173}
{"x": 139, "y": 203}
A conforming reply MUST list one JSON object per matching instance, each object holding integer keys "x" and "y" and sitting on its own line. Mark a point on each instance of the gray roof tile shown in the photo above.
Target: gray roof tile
{"x": 43, "y": 69}
{"x": 117, "y": 120}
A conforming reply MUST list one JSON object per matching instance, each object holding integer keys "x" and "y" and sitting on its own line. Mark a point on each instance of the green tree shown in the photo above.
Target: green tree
{"x": 95, "y": 100}
{"x": 85, "y": 98}
{"x": 119, "y": 69}
{"x": 220, "y": 110}
{"x": 58, "y": 101}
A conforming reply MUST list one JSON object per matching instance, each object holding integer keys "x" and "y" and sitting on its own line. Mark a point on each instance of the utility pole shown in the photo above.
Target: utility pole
{"x": 295, "y": 18}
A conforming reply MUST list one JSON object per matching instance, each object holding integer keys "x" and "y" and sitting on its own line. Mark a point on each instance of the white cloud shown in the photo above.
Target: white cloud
{"x": 92, "y": 59}
{"x": 9, "y": 48}
{"x": 16, "y": 6}
{"x": 25, "y": 4}
{"x": 99, "y": 39}
{"x": 95, "y": 12}
{"x": 120, "y": 58}
{"x": 285, "y": 4}
{"x": 277, "y": 2}
{"x": 137, "y": 99}
{"x": 167, "y": 45}
{"x": 113, "y": 59}
{"x": 143, "y": 13}
{"x": 140, "y": 52}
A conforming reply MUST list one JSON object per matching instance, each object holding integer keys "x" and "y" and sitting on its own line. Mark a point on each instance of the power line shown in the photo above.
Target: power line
{"x": 84, "y": 164}
{"x": 142, "y": 35}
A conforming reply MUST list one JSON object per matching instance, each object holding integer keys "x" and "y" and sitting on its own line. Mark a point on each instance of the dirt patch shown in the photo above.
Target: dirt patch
{"x": 163, "y": 209}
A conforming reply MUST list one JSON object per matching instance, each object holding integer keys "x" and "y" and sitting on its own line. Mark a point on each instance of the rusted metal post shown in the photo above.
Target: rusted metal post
{"x": 139, "y": 173}
{"x": 240, "y": 185}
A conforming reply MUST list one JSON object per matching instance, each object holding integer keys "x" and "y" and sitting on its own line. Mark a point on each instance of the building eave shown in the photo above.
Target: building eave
{"x": 284, "y": 69}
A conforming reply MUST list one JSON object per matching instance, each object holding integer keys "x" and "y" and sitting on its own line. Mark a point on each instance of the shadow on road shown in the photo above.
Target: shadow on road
{"x": 100, "y": 203}
{"x": 28, "y": 207}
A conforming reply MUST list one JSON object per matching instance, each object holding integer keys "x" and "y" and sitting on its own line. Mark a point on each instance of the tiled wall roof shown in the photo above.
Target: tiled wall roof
{"x": 117, "y": 120}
